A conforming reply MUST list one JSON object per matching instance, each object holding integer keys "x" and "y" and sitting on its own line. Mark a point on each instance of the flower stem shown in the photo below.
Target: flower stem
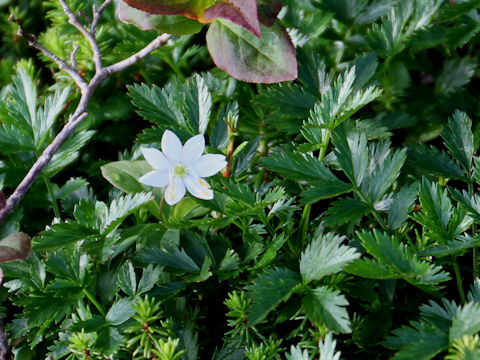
{"x": 51, "y": 194}
{"x": 94, "y": 301}
{"x": 474, "y": 230}
{"x": 459, "y": 280}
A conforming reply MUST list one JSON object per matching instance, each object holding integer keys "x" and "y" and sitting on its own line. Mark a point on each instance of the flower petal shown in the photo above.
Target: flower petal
{"x": 171, "y": 146}
{"x": 209, "y": 164}
{"x": 198, "y": 187}
{"x": 175, "y": 191}
{"x": 156, "y": 178}
{"x": 156, "y": 158}
{"x": 193, "y": 149}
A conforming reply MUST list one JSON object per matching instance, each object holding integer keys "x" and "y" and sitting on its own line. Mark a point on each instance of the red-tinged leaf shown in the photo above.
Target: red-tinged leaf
{"x": 268, "y": 59}
{"x": 190, "y": 8}
{"x": 15, "y": 247}
{"x": 171, "y": 24}
{"x": 241, "y": 12}
{"x": 268, "y": 11}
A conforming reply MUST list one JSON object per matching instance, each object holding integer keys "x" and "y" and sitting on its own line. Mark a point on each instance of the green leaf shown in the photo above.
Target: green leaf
{"x": 127, "y": 279}
{"x": 151, "y": 274}
{"x": 170, "y": 257}
{"x": 326, "y": 306}
{"x": 346, "y": 211}
{"x": 436, "y": 210}
{"x": 402, "y": 204}
{"x": 268, "y": 290}
{"x": 325, "y": 189}
{"x": 370, "y": 269}
{"x": 455, "y": 74}
{"x": 171, "y": 24}
{"x": 70, "y": 186}
{"x": 458, "y": 138}
{"x": 296, "y": 353}
{"x": 243, "y": 159}
{"x": 121, "y": 208}
{"x": 452, "y": 247}
{"x": 68, "y": 152}
{"x": 197, "y": 104}
{"x": 296, "y": 166}
{"x": 450, "y": 12}
{"x": 466, "y": 321}
{"x": 268, "y": 59}
{"x": 124, "y": 174}
{"x": 61, "y": 235}
{"x": 120, "y": 311}
{"x": 352, "y": 153}
{"x": 421, "y": 341}
{"x": 400, "y": 259}
{"x": 327, "y": 348}
{"x": 329, "y": 248}
{"x": 109, "y": 340}
{"x": 156, "y": 105}
{"x": 430, "y": 160}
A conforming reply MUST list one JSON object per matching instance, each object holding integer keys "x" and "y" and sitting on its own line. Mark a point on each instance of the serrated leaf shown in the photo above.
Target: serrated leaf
{"x": 436, "y": 210}
{"x": 120, "y": 208}
{"x": 466, "y": 321}
{"x": 296, "y": 353}
{"x": 169, "y": 257}
{"x": 120, "y": 311}
{"x": 458, "y": 138}
{"x": 455, "y": 74}
{"x": 430, "y": 160}
{"x": 70, "y": 186}
{"x": 334, "y": 255}
{"x": 402, "y": 204}
{"x": 452, "y": 247}
{"x": 68, "y": 152}
{"x": 326, "y": 189}
{"x": 370, "y": 269}
{"x": 62, "y": 234}
{"x": 243, "y": 159}
{"x": 156, "y": 105}
{"x": 268, "y": 290}
{"x": 127, "y": 279}
{"x": 197, "y": 104}
{"x": 151, "y": 274}
{"x": 400, "y": 258}
{"x": 296, "y": 166}
{"x": 450, "y": 12}
{"x": 346, "y": 211}
{"x": 268, "y": 59}
{"x": 326, "y": 306}
{"x": 327, "y": 348}
{"x": 352, "y": 153}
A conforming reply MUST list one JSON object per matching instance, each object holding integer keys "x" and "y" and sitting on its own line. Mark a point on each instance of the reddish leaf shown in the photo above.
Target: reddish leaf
{"x": 15, "y": 247}
{"x": 241, "y": 12}
{"x": 172, "y": 24}
{"x": 268, "y": 11}
{"x": 189, "y": 8}
{"x": 268, "y": 59}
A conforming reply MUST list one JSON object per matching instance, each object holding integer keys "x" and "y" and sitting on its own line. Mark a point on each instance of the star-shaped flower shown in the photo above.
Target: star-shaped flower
{"x": 181, "y": 168}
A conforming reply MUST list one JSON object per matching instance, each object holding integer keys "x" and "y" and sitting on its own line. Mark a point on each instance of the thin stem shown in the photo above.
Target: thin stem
{"x": 324, "y": 145}
{"x": 94, "y": 302}
{"x": 459, "y": 280}
{"x": 304, "y": 221}
{"x": 375, "y": 213}
{"x": 48, "y": 184}
{"x": 474, "y": 230}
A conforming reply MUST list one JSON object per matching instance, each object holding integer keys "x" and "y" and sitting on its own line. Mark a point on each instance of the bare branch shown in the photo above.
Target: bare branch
{"x": 32, "y": 41}
{"x": 97, "y": 13}
{"x": 73, "y": 60}
{"x": 73, "y": 20}
{"x": 153, "y": 45}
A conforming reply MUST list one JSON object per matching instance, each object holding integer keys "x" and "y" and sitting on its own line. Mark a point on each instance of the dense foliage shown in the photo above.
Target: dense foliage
{"x": 344, "y": 225}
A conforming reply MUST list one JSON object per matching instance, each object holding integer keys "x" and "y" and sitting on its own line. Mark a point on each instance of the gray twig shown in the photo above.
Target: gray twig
{"x": 87, "y": 90}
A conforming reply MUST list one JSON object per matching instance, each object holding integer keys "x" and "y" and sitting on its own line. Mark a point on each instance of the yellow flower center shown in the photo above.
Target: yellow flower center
{"x": 180, "y": 170}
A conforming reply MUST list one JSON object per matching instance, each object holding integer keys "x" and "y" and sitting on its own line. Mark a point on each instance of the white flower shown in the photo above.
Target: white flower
{"x": 181, "y": 168}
